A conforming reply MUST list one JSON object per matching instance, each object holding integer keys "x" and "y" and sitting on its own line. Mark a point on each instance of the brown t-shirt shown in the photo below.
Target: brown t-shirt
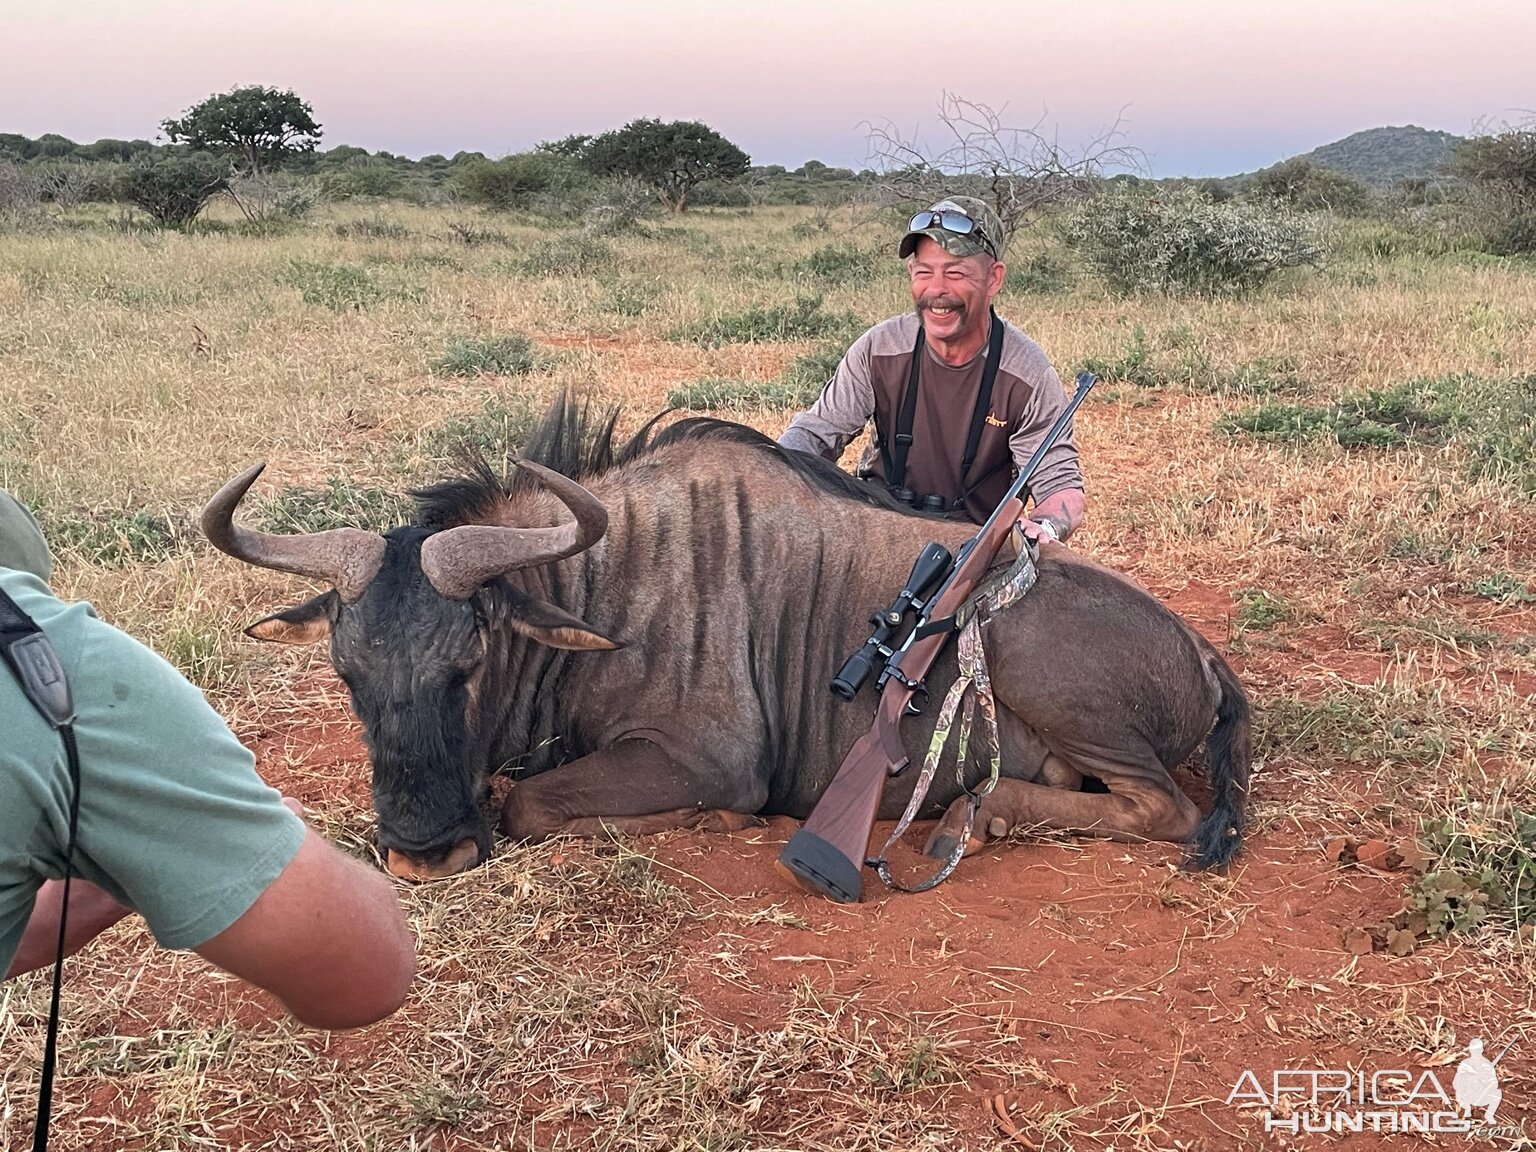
{"x": 1027, "y": 396}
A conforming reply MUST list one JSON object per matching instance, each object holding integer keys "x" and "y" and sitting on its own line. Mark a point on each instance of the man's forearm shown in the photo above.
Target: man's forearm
{"x": 91, "y": 912}
{"x": 1065, "y": 508}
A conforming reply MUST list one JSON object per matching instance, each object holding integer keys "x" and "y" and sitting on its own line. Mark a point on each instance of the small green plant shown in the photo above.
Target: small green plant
{"x": 112, "y": 537}
{"x": 805, "y": 319}
{"x": 472, "y": 236}
{"x": 921, "y": 1065}
{"x": 1427, "y": 411}
{"x": 340, "y": 504}
{"x": 624, "y": 298}
{"x": 372, "y": 228}
{"x": 809, "y": 374}
{"x": 340, "y": 286}
{"x": 841, "y": 264}
{"x": 1259, "y": 611}
{"x": 509, "y": 355}
{"x": 1133, "y": 366}
{"x": 1484, "y": 869}
{"x": 503, "y": 421}
{"x": 1504, "y": 587}
{"x": 576, "y": 254}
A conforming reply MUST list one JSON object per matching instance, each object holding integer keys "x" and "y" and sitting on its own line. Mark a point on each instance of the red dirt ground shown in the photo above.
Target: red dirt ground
{"x": 1141, "y": 991}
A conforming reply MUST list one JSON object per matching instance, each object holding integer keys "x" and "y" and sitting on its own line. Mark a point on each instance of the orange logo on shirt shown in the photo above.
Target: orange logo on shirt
{"x": 995, "y": 422}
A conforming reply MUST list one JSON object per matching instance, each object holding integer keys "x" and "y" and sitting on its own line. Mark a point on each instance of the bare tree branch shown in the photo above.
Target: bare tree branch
{"x": 1019, "y": 171}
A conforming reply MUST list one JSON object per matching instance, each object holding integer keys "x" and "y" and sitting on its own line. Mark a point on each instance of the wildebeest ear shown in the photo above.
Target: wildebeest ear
{"x": 550, "y": 625}
{"x": 304, "y": 623}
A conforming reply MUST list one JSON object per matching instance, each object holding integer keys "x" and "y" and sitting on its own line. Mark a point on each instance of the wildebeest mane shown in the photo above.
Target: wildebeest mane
{"x": 822, "y": 475}
{"x": 576, "y": 440}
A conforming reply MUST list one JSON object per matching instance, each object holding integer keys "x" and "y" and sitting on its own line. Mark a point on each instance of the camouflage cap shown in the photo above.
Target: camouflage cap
{"x": 986, "y": 238}
{"x": 21, "y": 541}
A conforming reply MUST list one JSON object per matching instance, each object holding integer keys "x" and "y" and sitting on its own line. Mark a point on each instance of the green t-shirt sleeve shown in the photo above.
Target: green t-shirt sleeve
{"x": 22, "y": 546}
{"x": 174, "y": 819}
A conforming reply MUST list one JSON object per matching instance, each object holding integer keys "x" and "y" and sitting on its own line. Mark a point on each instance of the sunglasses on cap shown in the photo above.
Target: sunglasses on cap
{"x": 950, "y": 219}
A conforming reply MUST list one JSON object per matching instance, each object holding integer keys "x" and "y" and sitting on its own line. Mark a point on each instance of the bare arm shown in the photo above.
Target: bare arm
{"x": 327, "y": 938}
{"x": 91, "y": 912}
{"x": 1064, "y": 507}
{"x": 840, "y": 412}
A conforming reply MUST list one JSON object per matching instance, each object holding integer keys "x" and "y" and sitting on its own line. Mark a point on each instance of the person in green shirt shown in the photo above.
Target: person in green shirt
{"x": 174, "y": 825}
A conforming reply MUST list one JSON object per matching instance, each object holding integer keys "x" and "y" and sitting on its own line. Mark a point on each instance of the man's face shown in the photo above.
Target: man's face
{"x": 952, "y": 293}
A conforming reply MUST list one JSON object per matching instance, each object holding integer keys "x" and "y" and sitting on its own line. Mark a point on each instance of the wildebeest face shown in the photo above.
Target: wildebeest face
{"x": 411, "y": 659}
{"x": 411, "y": 618}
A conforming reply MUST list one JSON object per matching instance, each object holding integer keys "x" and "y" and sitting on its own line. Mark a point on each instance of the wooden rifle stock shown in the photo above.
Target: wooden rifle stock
{"x": 826, "y": 856}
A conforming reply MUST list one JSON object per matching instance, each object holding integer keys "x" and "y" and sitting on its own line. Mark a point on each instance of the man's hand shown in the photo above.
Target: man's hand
{"x": 1062, "y": 510}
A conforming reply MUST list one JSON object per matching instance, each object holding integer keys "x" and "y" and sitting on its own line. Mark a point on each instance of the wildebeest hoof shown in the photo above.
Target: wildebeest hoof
{"x": 941, "y": 845}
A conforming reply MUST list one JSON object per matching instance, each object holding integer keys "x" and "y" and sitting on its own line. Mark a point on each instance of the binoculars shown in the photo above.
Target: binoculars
{"x": 932, "y": 502}
{"x": 933, "y": 563}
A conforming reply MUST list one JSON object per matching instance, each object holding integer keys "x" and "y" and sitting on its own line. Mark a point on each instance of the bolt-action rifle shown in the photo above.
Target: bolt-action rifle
{"x": 828, "y": 852}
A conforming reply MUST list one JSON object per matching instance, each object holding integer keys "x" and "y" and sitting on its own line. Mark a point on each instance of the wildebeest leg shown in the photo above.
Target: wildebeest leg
{"x": 1142, "y": 804}
{"x": 634, "y": 785}
{"x": 709, "y": 819}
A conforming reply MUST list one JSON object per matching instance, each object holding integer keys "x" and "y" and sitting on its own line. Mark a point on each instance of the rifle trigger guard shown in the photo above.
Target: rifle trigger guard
{"x": 913, "y": 708}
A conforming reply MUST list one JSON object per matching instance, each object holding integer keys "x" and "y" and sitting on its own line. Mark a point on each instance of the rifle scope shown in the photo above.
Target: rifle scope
{"x": 932, "y": 563}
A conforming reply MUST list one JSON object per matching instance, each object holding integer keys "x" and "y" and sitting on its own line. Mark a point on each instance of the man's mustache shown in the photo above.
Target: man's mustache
{"x": 929, "y": 302}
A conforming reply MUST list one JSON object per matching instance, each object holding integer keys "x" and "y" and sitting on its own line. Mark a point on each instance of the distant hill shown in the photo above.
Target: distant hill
{"x": 1387, "y": 155}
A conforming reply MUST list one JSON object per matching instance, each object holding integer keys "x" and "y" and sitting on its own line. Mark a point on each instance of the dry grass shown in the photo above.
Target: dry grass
{"x": 137, "y": 371}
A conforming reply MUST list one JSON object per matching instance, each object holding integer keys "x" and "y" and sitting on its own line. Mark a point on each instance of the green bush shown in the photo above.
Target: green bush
{"x": 1178, "y": 243}
{"x": 341, "y": 286}
{"x": 504, "y": 420}
{"x": 172, "y": 188}
{"x": 804, "y": 319}
{"x": 841, "y": 264}
{"x": 1500, "y": 170}
{"x": 372, "y": 228}
{"x": 521, "y": 182}
{"x": 510, "y": 355}
{"x": 1308, "y": 186}
{"x": 379, "y": 181}
{"x": 340, "y": 504}
{"x": 575, "y": 254}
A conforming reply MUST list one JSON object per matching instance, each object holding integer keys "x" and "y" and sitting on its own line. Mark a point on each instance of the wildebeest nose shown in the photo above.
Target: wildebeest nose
{"x": 461, "y": 857}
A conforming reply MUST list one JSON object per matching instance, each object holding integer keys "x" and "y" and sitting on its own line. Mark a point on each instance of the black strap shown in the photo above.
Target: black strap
{"x": 27, "y": 651}
{"x": 895, "y": 460}
{"x": 894, "y": 456}
{"x": 983, "y": 398}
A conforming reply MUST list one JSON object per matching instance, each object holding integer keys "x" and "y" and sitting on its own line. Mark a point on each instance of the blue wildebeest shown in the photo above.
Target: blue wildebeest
{"x": 652, "y": 646}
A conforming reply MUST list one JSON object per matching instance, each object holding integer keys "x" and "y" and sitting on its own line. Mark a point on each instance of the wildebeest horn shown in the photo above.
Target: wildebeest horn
{"x": 459, "y": 560}
{"x": 347, "y": 558}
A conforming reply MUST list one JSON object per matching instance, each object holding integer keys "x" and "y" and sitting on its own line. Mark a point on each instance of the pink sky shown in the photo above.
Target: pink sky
{"x": 1205, "y": 86}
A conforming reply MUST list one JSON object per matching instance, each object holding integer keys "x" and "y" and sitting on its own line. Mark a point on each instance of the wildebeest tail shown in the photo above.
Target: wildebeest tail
{"x": 1229, "y": 753}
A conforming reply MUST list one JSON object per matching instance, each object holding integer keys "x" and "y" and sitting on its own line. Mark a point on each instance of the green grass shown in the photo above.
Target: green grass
{"x": 341, "y": 286}
{"x": 1503, "y": 587}
{"x": 509, "y": 355}
{"x": 113, "y": 537}
{"x": 342, "y": 503}
{"x": 503, "y": 421}
{"x": 707, "y": 394}
{"x": 803, "y": 319}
